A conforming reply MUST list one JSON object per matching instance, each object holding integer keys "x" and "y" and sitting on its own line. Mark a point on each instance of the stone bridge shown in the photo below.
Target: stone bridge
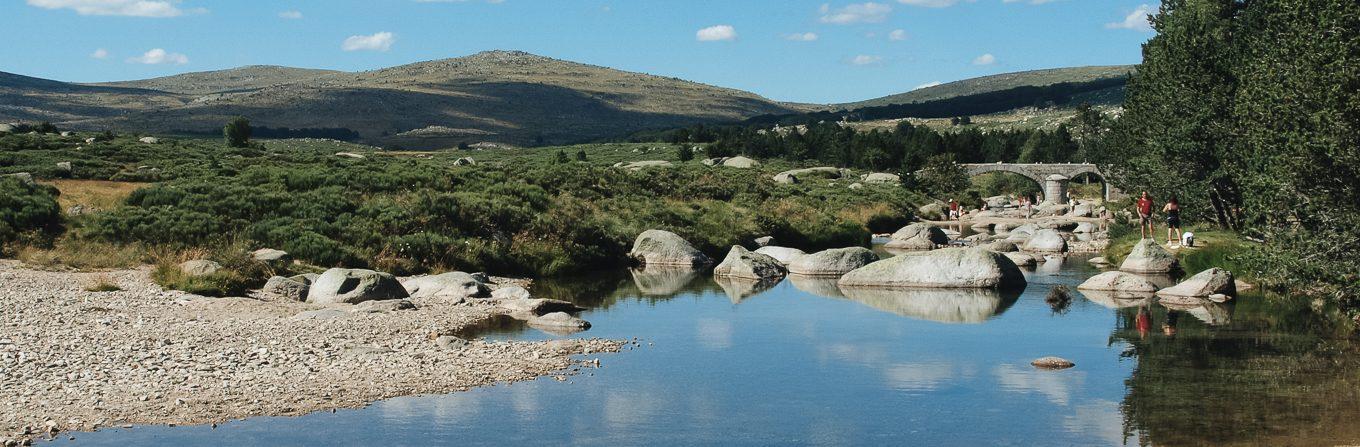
{"x": 1053, "y": 177}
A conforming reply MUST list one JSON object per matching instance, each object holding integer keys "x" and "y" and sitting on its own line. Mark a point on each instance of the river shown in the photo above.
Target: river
{"x": 799, "y": 363}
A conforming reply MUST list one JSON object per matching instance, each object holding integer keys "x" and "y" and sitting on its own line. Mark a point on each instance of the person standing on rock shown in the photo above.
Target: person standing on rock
{"x": 1145, "y": 216}
{"x": 1173, "y": 220}
{"x": 953, "y": 210}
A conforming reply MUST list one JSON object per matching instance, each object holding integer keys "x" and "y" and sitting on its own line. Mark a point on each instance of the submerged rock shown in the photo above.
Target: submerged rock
{"x": 1052, "y": 363}
{"x": 944, "y": 268}
{"x": 833, "y": 262}
{"x": 660, "y": 247}
{"x": 743, "y": 263}
{"x": 559, "y": 323}
{"x": 353, "y": 286}
{"x": 1149, "y": 257}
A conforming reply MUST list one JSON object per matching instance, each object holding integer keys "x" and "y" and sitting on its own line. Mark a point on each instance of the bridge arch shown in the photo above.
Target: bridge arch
{"x": 1050, "y": 176}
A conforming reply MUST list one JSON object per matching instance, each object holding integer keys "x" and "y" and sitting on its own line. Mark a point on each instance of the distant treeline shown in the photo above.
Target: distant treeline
{"x": 978, "y": 104}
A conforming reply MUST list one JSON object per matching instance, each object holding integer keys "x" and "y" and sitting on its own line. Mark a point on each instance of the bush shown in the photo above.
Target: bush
{"x": 28, "y": 211}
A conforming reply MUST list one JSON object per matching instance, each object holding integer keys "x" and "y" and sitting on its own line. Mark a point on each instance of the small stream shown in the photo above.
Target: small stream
{"x": 799, "y": 363}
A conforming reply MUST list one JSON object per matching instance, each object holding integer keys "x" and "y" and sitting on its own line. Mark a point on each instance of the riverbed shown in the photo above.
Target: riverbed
{"x": 799, "y": 363}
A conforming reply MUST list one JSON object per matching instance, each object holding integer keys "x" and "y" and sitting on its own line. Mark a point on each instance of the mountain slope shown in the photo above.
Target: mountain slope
{"x": 246, "y": 78}
{"x": 503, "y": 96}
{"x": 993, "y": 83}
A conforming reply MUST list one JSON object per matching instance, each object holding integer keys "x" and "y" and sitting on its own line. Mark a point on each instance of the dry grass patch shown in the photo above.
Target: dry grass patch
{"x": 93, "y": 195}
{"x": 80, "y": 254}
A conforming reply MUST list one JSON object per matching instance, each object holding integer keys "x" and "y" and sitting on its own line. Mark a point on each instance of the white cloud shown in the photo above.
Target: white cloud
{"x": 1136, "y": 20}
{"x": 130, "y": 8}
{"x": 291, "y": 14}
{"x": 160, "y": 56}
{"x": 377, "y": 42}
{"x": 869, "y": 12}
{"x": 100, "y": 54}
{"x": 897, "y": 34}
{"x": 865, "y": 59}
{"x": 716, "y": 33}
{"x": 802, "y": 37}
{"x": 928, "y": 85}
{"x": 986, "y": 59}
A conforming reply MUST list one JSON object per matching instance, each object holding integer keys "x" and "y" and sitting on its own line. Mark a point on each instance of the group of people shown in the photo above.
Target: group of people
{"x": 1172, "y": 209}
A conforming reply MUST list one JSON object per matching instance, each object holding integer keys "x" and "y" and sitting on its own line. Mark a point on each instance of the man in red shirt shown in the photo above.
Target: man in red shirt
{"x": 1145, "y": 215}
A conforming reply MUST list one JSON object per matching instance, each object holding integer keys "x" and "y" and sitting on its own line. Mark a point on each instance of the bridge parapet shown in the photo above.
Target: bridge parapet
{"x": 1041, "y": 172}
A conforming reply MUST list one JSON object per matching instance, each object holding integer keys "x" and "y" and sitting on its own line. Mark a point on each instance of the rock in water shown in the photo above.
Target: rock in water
{"x": 1052, "y": 363}
{"x": 784, "y": 255}
{"x": 559, "y": 322}
{"x": 1149, "y": 257}
{"x": 1214, "y": 281}
{"x": 944, "y": 268}
{"x": 918, "y": 236}
{"x": 1046, "y": 241}
{"x": 353, "y": 286}
{"x": 457, "y": 285}
{"x": 743, "y": 263}
{"x": 833, "y": 262}
{"x": 1119, "y": 282}
{"x": 1099, "y": 261}
{"x": 279, "y": 288}
{"x": 1021, "y": 259}
{"x": 200, "y": 267}
{"x": 511, "y": 293}
{"x": 1002, "y": 246}
{"x": 660, "y": 247}
{"x": 522, "y": 308}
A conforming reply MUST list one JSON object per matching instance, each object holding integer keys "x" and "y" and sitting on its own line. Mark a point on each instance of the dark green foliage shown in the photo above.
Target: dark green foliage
{"x": 237, "y": 132}
{"x": 684, "y": 153}
{"x": 581, "y": 155}
{"x": 942, "y": 176}
{"x": 27, "y": 210}
{"x": 562, "y": 157}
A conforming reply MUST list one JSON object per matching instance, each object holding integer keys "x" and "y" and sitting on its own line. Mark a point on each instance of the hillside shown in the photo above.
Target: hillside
{"x": 985, "y": 84}
{"x": 247, "y": 78}
{"x": 502, "y": 96}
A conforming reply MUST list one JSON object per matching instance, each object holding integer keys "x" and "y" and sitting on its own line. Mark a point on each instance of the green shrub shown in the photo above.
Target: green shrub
{"x": 28, "y": 211}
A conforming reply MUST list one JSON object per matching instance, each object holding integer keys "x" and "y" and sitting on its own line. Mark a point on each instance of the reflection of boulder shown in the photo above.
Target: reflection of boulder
{"x": 738, "y": 289}
{"x": 1211, "y": 313}
{"x": 824, "y": 287}
{"x": 1117, "y": 300}
{"x": 942, "y": 305}
{"x": 663, "y": 280}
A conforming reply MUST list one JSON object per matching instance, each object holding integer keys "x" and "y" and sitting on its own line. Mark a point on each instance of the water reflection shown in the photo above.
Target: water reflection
{"x": 1117, "y": 300}
{"x": 663, "y": 280}
{"x": 940, "y": 305}
{"x": 738, "y": 289}
{"x": 817, "y": 285}
{"x": 1209, "y": 312}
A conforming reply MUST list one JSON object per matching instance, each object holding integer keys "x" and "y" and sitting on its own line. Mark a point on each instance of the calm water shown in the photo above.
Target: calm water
{"x": 800, "y": 364}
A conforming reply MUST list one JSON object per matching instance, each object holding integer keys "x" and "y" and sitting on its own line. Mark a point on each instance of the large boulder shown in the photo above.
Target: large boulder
{"x": 784, "y": 255}
{"x": 918, "y": 236}
{"x": 882, "y": 177}
{"x": 660, "y": 247}
{"x": 523, "y": 308}
{"x": 353, "y": 286}
{"x": 149, "y": 140}
{"x": 1022, "y": 259}
{"x": 743, "y": 263}
{"x": 1046, "y": 241}
{"x": 199, "y": 267}
{"x": 1149, "y": 257}
{"x": 833, "y": 262}
{"x": 1082, "y": 210}
{"x": 931, "y": 211}
{"x": 997, "y": 201}
{"x": 280, "y": 288}
{"x": 455, "y": 285}
{"x": 797, "y": 175}
{"x": 945, "y": 268}
{"x": 271, "y": 256}
{"x": 740, "y": 162}
{"x": 1084, "y": 228}
{"x": 1119, "y": 282}
{"x": 640, "y": 165}
{"x": 1214, "y": 281}
{"x": 1002, "y": 246}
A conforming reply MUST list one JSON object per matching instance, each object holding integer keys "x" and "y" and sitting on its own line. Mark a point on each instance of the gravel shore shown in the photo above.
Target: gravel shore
{"x": 73, "y": 360}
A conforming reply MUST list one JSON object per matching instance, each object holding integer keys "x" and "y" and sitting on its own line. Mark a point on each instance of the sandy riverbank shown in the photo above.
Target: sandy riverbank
{"x": 73, "y": 360}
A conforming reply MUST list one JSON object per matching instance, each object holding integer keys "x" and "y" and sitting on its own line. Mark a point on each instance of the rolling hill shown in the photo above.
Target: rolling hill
{"x": 502, "y": 96}
{"x": 986, "y": 84}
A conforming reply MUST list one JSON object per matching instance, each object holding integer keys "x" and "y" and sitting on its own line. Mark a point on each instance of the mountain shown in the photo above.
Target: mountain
{"x": 502, "y": 96}
{"x": 987, "y": 84}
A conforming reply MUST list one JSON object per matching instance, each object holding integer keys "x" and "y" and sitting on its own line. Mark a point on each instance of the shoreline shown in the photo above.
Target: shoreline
{"x": 74, "y": 360}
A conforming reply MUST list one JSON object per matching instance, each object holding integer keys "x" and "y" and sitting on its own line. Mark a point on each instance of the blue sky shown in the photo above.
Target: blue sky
{"x": 807, "y": 51}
